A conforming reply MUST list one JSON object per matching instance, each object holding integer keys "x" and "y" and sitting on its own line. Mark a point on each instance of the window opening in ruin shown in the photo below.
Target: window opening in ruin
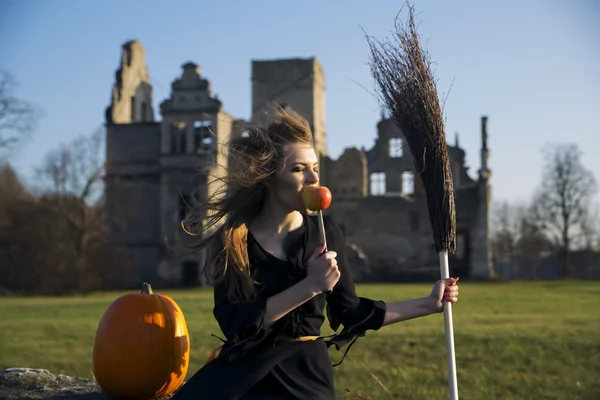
{"x": 128, "y": 57}
{"x": 178, "y": 138}
{"x": 173, "y": 142}
{"x": 202, "y": 135}
{"x": 199, "y": 124}
{"x": 174, "y": 138}
{"x": 132, "y": 108}
{"x": 395, "y": 147}
{"x": 378, "y": 184}
{"x": 182, "y": 142}
{"x": 408, "y": 183}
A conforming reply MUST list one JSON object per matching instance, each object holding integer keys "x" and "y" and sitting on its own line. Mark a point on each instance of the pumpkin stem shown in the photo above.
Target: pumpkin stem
{"x": 146, "y": 288}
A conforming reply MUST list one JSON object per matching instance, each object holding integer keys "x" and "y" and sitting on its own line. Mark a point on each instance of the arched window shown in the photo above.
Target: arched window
{"x": 178, "y": 138}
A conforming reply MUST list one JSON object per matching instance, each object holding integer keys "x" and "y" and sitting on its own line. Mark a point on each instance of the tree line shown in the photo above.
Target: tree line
{"x": 52, "y": 233}
{"x": 559, "y": 226}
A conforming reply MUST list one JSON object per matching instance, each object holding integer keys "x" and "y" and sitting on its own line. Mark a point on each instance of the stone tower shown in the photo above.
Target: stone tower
{"x": 482, "y": 264}
{"x": 193, "y": 125}
{"x": 295, "y": 83}
{"x": 131, "y": 99}
{"x": 131, "y": 181}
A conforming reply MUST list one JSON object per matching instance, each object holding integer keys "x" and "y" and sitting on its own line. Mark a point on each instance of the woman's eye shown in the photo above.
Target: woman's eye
{"x": 297, "y": 170}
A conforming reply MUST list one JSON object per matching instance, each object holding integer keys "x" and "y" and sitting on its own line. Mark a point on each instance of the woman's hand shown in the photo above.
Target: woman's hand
{"x": 322, "y": 270}
{"x": 444, "y": 290}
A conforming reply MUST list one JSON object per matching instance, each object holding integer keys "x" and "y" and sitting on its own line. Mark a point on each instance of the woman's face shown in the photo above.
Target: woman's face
{"x": 300, "y": 169}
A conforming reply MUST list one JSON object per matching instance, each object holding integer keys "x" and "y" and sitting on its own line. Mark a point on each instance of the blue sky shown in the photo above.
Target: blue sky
{"x": 531, "y": 66}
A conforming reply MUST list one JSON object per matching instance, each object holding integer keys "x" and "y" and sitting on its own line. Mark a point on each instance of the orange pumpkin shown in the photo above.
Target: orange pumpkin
{"x": 142, "y": 347}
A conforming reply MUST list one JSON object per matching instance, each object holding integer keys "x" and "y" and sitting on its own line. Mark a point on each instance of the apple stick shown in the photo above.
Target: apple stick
{"x": 322, "y": 229}
{"x": 318, "y": 198}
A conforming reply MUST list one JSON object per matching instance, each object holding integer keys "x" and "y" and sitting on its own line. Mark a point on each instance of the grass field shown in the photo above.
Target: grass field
{"x": 522, "y": 340}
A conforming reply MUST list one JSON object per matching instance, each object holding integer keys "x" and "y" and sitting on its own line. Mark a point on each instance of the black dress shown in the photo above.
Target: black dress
{"x": 255, "y": 362}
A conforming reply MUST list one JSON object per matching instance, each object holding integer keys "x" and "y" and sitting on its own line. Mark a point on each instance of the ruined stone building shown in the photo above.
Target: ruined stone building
{"x": 153, "y": 166}
{"x": 381, "y": 203}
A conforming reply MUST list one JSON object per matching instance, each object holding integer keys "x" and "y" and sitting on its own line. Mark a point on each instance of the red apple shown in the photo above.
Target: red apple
{"x": 316, "y": 198}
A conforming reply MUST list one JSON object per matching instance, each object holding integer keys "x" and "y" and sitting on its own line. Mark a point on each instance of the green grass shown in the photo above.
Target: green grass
{"x": 523, "y": 340}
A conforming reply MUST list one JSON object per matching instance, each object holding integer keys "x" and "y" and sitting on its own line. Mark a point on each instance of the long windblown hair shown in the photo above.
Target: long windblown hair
{"x": 222, "y": 219}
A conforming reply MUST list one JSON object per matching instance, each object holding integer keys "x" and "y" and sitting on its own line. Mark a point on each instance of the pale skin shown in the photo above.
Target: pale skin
{"x": 281, "y": 214}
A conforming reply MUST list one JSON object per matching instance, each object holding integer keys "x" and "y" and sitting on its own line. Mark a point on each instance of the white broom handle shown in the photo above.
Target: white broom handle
{"x": 449, "y": 328}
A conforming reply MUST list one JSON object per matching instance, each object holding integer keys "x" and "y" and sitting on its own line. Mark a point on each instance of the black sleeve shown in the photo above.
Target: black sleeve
{"x": 238, "y": 320}
{"x": 344, "y": 307}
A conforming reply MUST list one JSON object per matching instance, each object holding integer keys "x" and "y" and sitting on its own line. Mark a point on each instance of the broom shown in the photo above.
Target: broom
{"x": 407, "y": 89}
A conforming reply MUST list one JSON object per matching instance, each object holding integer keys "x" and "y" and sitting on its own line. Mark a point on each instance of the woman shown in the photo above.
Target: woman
{"x": 273, "y": 282}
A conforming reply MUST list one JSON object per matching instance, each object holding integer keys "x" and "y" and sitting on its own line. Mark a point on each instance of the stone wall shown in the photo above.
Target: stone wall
{"x": 392, "y": 232}
{"x": 349, "y": 179}
{"x": 130, "y": 147}
{"x": 131, "y": 198}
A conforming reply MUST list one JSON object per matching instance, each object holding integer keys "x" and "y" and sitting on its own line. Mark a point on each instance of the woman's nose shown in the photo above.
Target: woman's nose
{"x": 312, "y": 177}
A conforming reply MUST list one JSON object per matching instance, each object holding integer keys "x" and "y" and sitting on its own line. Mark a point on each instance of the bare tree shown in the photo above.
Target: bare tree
{"x": 10, "y": 183}
{"x": 70, "y": 177}
{"x": 561, "y": 202}
{"x": 533, "y": 245}
{"x": 508, "y": 223}
{"x": 26, "y": 248}
{"x": 18, "y": 118}
{"x": 74, "y": 169}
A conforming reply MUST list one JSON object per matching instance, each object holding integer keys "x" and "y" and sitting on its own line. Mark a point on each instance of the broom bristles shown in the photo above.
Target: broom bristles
{"x": 402, "y": 71}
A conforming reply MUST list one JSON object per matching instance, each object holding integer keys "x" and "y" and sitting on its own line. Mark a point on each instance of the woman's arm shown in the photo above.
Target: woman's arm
{"x": 443, "y": 290}
{"x": 283, "y": 302}
{"x": 244, "y": 319}
{"x": 405, "y": 310}
{"x": 322, "y": 274}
